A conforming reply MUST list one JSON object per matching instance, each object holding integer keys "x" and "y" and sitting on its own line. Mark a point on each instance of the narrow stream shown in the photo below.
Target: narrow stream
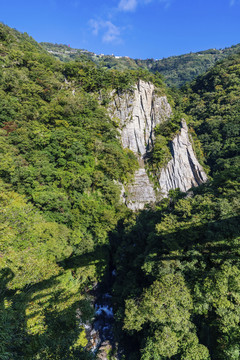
{"x": 104, "y": 318}
{"x": 101, "y": 332}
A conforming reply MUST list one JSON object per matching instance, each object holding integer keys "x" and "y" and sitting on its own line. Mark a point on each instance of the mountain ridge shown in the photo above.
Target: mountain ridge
{"x": 177, "y": 70}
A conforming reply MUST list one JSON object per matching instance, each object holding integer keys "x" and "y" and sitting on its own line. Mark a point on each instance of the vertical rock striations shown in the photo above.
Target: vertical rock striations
{"x": 139, "y": 111}
{"x": 183, "y": 171}
{"x": 141, "y": 191}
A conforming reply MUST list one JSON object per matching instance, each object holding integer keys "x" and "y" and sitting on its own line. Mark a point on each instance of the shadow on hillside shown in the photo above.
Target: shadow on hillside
{"x": 143, "y": 252}
{"x": 33, "y": 321}
{"x": 213, "y": 241}
{"x": 96, "y": 257}
{"x": 42, "y": 318}
{"x": 213, "y": 235}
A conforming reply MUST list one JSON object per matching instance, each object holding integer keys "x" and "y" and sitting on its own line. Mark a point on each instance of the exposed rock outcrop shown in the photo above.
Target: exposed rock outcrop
{"x": 141, "y": 191}
{"x": 139, "y": 112}
{"x": 183, "y": 171}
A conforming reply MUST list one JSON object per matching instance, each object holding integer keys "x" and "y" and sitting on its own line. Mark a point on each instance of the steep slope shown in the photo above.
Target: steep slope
{"x": 140, "y": 111}
{"x": 183, "y": 171}
{"x": 177, "y": 289}
{"x": 174, "y": 270}
{"x": 213, "y": 102}
{"x": 60, "y": 160}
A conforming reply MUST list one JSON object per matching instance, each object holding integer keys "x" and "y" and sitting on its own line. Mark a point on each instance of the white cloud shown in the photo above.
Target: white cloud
{"x": 131, "y": 5}
{"x": 127, "y": 5}
{"x": 95, "y": 25}
{"x": 109, "y": 31}
{"x": 112, "y": 33}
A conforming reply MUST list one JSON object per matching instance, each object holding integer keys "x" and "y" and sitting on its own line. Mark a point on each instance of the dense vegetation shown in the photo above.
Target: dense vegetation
{"x": 177, "y": 70}
{"x": 214, "y": 103}
{"x": 176, "y": 293}
{"x": 60, "y": 164}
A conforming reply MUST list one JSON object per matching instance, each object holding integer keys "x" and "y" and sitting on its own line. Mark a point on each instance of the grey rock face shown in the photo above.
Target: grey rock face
{"x": 183, "y": 171}
{"x": 141, "y": 191}
{"x": 139, "y": 111}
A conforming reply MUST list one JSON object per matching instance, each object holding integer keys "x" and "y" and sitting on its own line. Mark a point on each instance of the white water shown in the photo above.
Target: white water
{"x": 104, "y": 310}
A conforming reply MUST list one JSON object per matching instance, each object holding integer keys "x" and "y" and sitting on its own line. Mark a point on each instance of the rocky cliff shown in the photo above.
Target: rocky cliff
{"x": 139, "y": 111}
{"x": 183, "y": 171}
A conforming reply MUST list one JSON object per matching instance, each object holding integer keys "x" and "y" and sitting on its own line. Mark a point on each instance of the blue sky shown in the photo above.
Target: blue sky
{"x": 136, "y": 28}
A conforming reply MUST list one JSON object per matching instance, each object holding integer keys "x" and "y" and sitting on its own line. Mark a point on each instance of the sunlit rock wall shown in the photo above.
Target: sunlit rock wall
{"x": 139, "y": 111}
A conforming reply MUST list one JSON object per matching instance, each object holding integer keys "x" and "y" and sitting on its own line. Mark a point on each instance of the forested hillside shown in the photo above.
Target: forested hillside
{"x": 60, "y": 164}
{"x": 177, "y": 70}
{"x": 172, "y": 269}
{"x": 177, "y": 291}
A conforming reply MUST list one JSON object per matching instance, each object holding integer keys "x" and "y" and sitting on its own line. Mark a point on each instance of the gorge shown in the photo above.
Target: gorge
{"x": 139, "y": 111}
{"x": 119, "y": 210}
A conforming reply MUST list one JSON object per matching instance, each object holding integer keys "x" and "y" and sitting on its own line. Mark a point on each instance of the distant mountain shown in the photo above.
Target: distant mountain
{"x": 177, "y": 70}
